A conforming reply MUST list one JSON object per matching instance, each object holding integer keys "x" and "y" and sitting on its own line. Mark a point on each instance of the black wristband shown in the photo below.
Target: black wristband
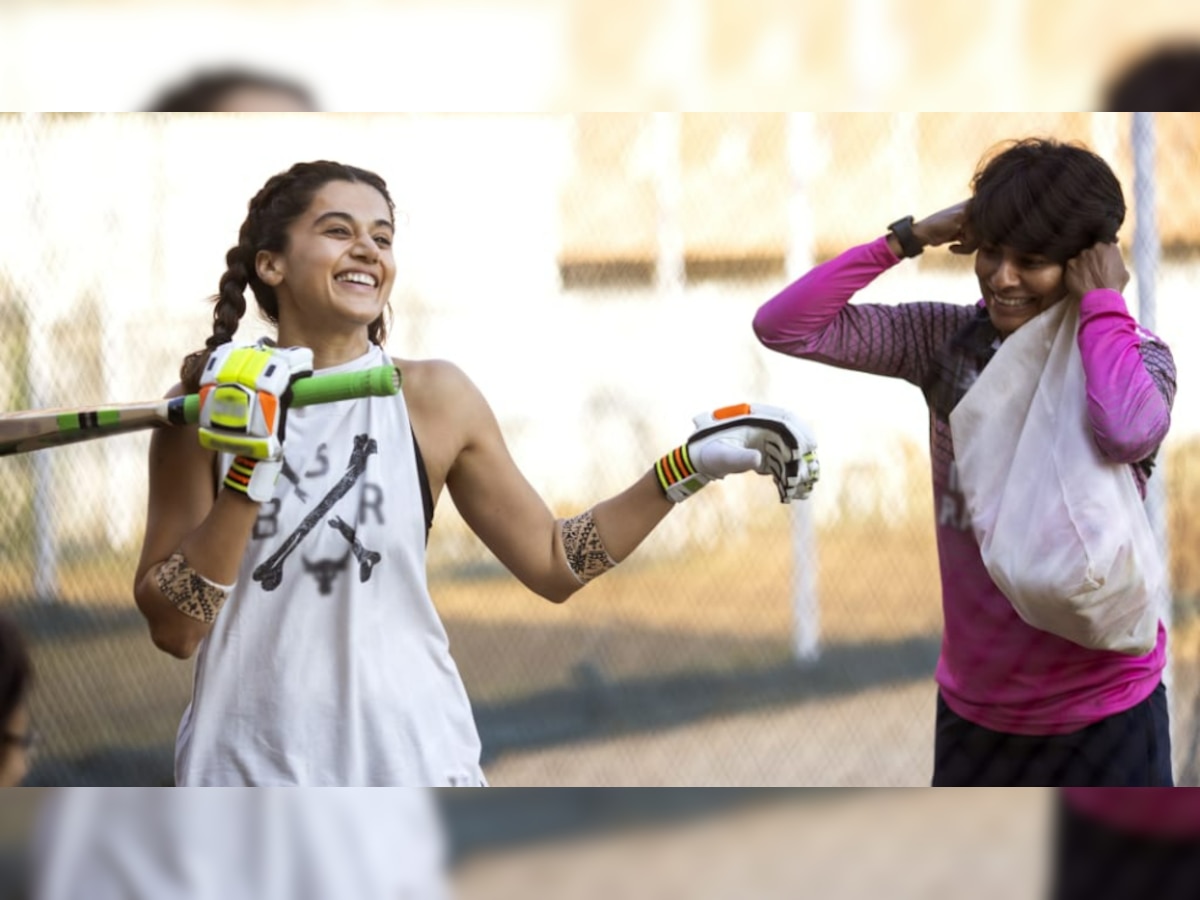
{"x": 903, "y": 230}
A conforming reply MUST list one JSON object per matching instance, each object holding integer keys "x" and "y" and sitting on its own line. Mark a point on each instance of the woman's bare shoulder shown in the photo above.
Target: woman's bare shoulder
{"x": 425, "y": 380}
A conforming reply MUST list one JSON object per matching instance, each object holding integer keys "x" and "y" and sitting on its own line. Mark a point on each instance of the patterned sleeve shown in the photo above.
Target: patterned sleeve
{"x": 812, "y": 319}
{"x": 1130, "y": 379}
{"x": 1160, "y": 364}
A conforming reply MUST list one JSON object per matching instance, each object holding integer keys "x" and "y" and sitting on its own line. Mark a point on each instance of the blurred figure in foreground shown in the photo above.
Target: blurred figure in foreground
{"x": 233, "y": 89}
{"x": 16, "y": 737}
{"x": 1166, "y": 78}
{"x": 1117, "y": 843}
{"x": 241, "y": 844}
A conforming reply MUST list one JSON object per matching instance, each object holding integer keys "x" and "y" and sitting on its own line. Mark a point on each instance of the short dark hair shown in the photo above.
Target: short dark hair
{"x": 203, "y": 91}
{"x": 1166, "y": 78}
{"x": 15, "y": 669}
{"x": 1046, "y": 197}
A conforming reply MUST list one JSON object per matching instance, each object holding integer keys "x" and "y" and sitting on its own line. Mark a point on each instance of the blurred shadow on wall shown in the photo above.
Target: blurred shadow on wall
{"x": 233, "y": 89}
{"x": 1165, "y": 78}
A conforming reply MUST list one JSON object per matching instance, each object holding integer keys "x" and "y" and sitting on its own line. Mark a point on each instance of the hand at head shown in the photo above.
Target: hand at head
{"x": 1097, "y": 268}
{"x": 949, "y": 226}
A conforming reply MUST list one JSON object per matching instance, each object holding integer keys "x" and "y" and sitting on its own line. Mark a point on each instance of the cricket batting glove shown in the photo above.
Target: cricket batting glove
{"x": 744, "y": 438}
{"x": 244, "y": 394}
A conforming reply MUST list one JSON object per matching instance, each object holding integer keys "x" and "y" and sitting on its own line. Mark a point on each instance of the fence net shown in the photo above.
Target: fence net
{"x": 596, "y": 275}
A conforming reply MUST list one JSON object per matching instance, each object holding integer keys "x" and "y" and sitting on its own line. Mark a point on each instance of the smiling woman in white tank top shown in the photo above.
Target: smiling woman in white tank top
{"x": 286, "y": 549}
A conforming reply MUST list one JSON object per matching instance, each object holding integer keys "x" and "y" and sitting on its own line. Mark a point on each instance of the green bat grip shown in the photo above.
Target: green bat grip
{"x": 382, "y": 381}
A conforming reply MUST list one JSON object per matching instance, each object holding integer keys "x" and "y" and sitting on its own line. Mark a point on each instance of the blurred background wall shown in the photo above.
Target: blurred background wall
{"x": 469, "y": 55}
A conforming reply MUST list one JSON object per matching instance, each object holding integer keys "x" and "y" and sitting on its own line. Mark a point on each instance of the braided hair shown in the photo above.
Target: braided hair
{"x": 281, "y": 201}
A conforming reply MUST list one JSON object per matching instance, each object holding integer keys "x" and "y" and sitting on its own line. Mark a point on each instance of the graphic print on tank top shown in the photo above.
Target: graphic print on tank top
{"x": 332, "y": 668}
{"x": 324, "y": 570}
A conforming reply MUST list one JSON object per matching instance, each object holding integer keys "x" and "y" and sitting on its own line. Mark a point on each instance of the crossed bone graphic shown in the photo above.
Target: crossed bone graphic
{"x": 270, "y": 572}
{"x": 367, "y": 559}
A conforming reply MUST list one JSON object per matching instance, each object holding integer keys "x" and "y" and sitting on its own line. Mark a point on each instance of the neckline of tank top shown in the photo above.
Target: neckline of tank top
{"x": 366, "y": 360}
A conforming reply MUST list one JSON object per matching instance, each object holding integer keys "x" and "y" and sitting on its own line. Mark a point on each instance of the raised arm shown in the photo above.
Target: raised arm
{"x": 183, "y": 517}
{"x": 812, "y": 318}
{"x": 797, "y": 320}
{"x": 556, "y": 557}
{"x": 508, "y": 515}
{"x": 1130, "y": 373}
{"x": 196, "y": 530}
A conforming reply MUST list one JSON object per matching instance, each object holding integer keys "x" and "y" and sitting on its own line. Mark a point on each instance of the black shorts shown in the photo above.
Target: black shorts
{"x": 1093, "y": 860}
{"x": 1130, "y": 749}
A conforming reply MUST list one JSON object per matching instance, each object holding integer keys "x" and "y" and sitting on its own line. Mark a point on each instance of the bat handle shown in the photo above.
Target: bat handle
{"x": 381, "y": 381}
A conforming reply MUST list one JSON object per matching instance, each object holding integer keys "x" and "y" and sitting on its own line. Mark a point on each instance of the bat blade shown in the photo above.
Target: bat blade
{"x": 40, "y": 429}
{"x": 25, "y": 432}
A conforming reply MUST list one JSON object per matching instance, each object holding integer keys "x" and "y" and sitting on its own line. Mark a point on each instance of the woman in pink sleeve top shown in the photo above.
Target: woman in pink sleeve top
{"x": 1016, "y": 706}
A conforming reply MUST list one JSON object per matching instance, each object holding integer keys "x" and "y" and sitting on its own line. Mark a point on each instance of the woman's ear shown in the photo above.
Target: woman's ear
{"x": 269, "y": 267}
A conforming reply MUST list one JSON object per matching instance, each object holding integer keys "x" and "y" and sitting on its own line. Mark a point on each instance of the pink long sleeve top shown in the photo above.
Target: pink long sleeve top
{"x": 993, "y": 669}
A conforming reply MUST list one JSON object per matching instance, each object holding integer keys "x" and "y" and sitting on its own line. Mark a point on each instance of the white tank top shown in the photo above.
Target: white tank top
{"x": 273, "y": 844}
{"x": 328, "y": 664}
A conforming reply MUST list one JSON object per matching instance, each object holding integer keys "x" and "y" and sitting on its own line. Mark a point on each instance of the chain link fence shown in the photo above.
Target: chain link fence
{"x": 596, "y": 275}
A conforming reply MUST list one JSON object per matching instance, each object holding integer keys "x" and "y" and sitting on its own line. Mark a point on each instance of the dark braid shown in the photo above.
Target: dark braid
{"x": 282, "y": 200}
{"x": 229, "y": 305}
{"x": 231, "y": 297}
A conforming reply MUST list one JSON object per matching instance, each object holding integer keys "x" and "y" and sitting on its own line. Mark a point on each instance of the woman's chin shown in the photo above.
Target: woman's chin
{"x": 1006, "y": 321}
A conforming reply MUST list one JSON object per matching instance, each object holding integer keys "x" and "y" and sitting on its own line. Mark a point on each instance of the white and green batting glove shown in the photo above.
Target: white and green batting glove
{"x": 244, "y": 394}
{"x": 743, "y": 438}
